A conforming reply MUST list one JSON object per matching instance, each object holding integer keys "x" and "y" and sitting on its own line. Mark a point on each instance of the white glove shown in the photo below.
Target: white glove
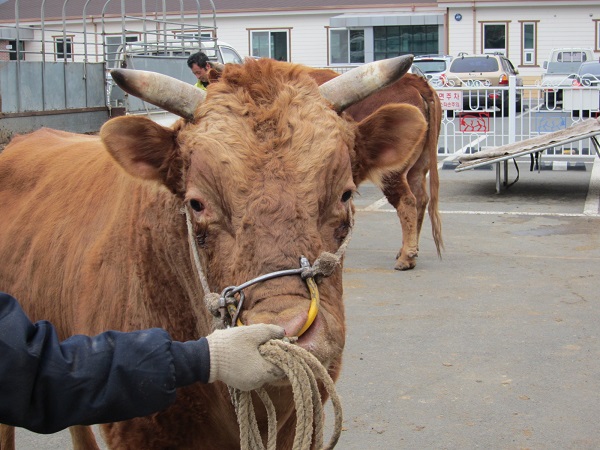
{"x": 234, "y": 356}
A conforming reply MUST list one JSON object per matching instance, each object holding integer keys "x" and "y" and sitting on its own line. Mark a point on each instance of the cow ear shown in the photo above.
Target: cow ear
{"x": 142, "y": 147}
{"x": 386, "y": 140}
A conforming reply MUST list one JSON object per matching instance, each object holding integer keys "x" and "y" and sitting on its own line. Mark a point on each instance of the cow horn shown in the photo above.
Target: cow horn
{"x": 356, "y": 84}
{"x": 168, "y": 93}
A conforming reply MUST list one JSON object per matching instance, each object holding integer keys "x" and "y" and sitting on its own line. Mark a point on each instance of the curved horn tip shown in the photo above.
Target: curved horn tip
{"x": 118, "y": 75}
{"x": 356, "y": 84}
{"x": 168, "y": 93}
{"x": 398, "y": 65}
{"x": 122, "y": 72}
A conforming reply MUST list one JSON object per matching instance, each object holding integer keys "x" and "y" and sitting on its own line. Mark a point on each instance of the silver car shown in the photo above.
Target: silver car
{"x": 434, "y": 67}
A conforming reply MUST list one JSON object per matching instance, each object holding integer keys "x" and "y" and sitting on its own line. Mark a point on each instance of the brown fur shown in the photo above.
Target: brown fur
{"x": 93, "y": 237}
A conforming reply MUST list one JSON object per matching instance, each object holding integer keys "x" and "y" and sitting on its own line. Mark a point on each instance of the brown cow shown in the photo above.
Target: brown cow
{"x": 406, "y": 188}
{"x": 93, "y": 235}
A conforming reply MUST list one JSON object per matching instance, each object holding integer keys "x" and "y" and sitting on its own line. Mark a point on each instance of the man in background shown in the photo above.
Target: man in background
{"x": 200, "y": 66}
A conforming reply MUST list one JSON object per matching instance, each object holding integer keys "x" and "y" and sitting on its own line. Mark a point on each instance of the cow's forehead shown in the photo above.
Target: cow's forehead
{"x": 265, "y": 131}
{"x": 236, "y": 167}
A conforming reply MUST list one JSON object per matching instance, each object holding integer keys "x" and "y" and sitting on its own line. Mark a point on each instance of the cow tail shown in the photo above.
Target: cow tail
{"x": 435, "y": 119}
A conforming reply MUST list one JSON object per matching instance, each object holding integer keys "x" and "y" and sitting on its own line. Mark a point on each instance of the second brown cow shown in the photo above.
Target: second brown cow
{"x": 406, "y": 187}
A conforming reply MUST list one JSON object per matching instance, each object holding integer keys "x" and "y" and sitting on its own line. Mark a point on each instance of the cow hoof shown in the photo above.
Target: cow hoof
{"x": 409, "y": 255}
{"x": 405, "y": 265}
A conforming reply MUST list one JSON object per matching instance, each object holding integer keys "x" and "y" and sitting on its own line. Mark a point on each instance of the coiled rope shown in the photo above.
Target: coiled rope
{"x": 303, "y": 370}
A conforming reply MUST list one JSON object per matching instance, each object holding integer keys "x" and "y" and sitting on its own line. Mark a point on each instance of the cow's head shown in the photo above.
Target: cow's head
{"x": 265, "y": 165}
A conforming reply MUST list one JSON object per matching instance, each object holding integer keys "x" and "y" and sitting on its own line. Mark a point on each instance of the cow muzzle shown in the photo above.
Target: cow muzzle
{"x": 226, "y": 307}
{"x": 232, "y": 298}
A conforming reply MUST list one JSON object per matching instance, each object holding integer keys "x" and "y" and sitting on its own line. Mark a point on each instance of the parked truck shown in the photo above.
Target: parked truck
{"x": 168, "y": 57}
{"x": 560, "y": 69}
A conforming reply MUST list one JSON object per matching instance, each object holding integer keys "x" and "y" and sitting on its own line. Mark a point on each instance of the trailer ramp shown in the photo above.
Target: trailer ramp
{"x": 587, "y": 129}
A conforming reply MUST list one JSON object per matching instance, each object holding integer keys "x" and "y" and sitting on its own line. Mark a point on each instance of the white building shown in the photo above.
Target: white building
{"x": 525, "y": 31}
{"x": 312, "y": 32}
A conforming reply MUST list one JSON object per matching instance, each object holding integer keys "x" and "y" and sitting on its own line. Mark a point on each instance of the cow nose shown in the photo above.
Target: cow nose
{"x": 291, "y": 312}
{"x": 291, "y": 320}
{"x": 295, "y": 325}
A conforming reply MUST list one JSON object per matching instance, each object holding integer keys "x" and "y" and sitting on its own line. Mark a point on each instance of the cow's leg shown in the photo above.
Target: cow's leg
{"x": 7, "y": 437}
{"x": 83, "y": 438}
{"x": 417, "y": 180}
{"x": 398, "y": 193}
{"x": 407, "y": 213}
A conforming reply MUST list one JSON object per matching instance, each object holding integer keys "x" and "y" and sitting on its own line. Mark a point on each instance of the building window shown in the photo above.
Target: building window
{"x": 494, "y": 38}
{"x": 347, "y": 46}
{"x": 400, "y": 40}
{"x": 12, "y": 50}
{"x": 113, "y": 42}
{"x": 270, "y": 44}
{"x": 529, "y": 43}
{"x": 63, "y": 48}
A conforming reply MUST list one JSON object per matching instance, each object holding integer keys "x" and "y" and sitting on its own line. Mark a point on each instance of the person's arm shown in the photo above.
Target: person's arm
{"x": 47, "y": 385}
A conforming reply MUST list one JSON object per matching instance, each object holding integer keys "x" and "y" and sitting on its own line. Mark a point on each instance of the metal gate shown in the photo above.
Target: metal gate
{"x": 471, "y": 129}
{"x": 55, "y": 56}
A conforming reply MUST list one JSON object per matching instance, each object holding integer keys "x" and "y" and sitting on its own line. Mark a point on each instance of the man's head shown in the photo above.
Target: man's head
{"x": 199, "y": 65}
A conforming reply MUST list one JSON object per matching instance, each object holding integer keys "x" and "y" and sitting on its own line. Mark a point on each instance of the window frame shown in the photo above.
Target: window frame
{"x": 348, "y": 42}
{"x": 19, "y": 50}
{"x": 483, "y": 25}
{"x": 534, "y": 51}
{"x": 270, "y": 31}
{"x": 64, "y": 40}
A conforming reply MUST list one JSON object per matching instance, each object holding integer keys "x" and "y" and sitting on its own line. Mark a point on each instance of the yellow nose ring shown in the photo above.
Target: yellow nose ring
{"x": 313, "y": 310}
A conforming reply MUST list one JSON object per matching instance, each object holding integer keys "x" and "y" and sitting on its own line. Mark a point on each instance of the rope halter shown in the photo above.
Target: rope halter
{"x": 226, "y": 307}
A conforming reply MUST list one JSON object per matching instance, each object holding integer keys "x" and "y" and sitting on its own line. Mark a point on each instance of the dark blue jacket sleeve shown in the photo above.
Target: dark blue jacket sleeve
{"x": 47, "y": 385}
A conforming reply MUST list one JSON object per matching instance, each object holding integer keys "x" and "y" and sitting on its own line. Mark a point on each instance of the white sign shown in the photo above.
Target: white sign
{"x": 452, "y": 100}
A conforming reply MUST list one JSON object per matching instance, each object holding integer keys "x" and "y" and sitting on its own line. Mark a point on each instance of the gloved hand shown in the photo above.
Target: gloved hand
{"x": 234, "y": 356}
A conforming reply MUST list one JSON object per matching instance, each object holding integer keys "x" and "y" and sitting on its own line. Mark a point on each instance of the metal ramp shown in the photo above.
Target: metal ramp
{"x": 587, "y": 129}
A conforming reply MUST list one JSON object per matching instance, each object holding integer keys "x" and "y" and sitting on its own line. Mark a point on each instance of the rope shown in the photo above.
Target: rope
{"x": 327, "y": 262}
{"x": 303, "y": 370}
{"x": 194, "y": 250}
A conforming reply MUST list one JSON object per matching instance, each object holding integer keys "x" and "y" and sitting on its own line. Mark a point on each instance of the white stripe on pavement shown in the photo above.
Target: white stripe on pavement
{"x": 592, "y": 201}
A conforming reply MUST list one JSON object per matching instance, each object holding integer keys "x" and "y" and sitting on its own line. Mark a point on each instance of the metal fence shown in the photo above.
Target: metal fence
{"x": 61, "y": 61}
{"x": 55, "y": 57}
{"x": 469, "y": 126}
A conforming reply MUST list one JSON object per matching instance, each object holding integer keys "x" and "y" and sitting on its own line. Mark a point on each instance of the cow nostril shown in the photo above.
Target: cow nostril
{"x": 294, "y": 326}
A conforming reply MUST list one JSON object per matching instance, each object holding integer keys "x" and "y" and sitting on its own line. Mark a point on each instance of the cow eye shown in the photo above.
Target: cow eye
{"x": 197, "y": 205}
{"x": 347, "y": 196}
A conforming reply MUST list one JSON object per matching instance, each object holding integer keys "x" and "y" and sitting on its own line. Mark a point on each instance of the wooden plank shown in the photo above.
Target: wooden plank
{"x": 586, "y": 129}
